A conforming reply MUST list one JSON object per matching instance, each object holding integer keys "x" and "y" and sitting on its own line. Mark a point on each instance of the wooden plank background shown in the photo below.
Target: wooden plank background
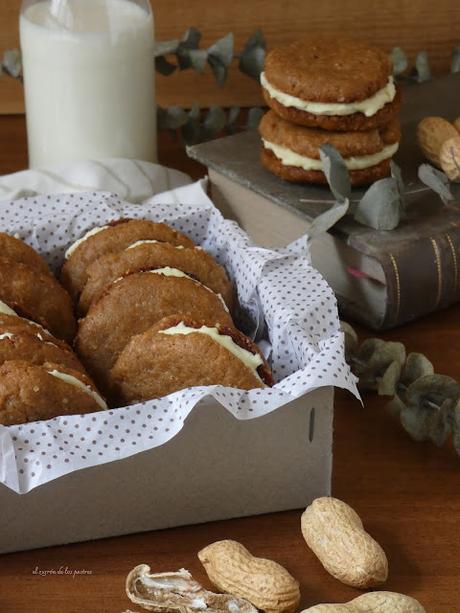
{"x": 433, "y": 25}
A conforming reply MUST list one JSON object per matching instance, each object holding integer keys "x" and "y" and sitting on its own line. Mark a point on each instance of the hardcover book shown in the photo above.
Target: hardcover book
{"x": 381, "y": 278}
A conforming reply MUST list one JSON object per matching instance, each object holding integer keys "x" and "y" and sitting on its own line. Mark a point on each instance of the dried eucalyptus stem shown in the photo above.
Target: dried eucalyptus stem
{"x": 427, "y": 404}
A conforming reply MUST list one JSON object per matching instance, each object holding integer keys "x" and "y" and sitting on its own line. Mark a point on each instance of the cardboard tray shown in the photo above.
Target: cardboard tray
{"x": 217, "y": 467}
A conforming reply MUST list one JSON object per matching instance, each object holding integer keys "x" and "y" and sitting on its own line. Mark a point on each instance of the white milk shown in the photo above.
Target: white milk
{"x": 89, "y": 81}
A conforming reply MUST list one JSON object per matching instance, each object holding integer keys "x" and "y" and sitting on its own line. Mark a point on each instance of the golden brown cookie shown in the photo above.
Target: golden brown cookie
{"x": 334, "y": 84}
{"x": 144, "y": 255}
{"x": 133, "y": 304}
{"x": 17, "y": 250}
{"x": 179, "y": 352}
{"x": 37, "y": 296}
{"x": 20, "y": 325}
{"x": 113, "y": 237}
{"x": 29, "y": 392}
{"x": 292, "y": 151}
{"x": 31, "y": 346}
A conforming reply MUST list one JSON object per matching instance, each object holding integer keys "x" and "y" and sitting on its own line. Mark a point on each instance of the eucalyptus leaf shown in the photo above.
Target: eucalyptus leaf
{"x": 432, "y": 390}
{"x": 373, "y": 358}
{"x": 422, "y": 67}
{"x": 324, "y": 221}
{"x": 222, "y": 50}
{"x": 439, "y": 426}
{"x": 198, "y": 59}
{"x": 257, "y": 39}
{"x": 397, "y": 176}
{"x": 399, "y": 59}
{"x": 255, "y": 114}
{"x": 219, "y": 70}
{"x": 455, "y": 63}
{"x": 395, "y": 406}
{"x": 435, "y": 180}
{"x": 191, "y": 38}
{"x": 165, "y": 48}
{"x": 163, "y": 66}
{"x": 214, "y": 122}
{"x": 336, "y": 172}
{"x": 172, "y": 118}
{"x": 416, "y": 366}
{"x": 233, "y": 114}
{"x": 191, "y": 131}
{"x": 415, "y": 423}
{"x": 387, "y": 384}
{"x": 252, "y": 62}
{"x": 380, "y": 207}
{"x": 456, "y": 428}
{"x": 12, "y": 62}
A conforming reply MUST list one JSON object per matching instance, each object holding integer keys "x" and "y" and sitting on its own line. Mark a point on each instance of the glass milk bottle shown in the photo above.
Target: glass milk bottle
{"x": 89, "y": 80}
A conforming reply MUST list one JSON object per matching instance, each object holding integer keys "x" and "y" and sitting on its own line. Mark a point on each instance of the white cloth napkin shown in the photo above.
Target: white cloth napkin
{"x": 132, "y": 180}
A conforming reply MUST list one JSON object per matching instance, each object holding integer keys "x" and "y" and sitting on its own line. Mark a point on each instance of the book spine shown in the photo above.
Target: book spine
{"x": 422, "y": 277}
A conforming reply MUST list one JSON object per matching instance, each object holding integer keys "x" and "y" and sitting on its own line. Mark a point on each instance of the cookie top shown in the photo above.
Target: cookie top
{"x": 306, "y": 141}
{"x": 328, "y": 69}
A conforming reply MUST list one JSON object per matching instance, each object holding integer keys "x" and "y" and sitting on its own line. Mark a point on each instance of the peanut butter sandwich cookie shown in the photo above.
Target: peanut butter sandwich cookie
{"x": 111, "y": 238}
{"x": 292, "y": 151}
{"x": 30, "y": 392}
{"x": 179, "y": 352}
{"x": 37, "y": 296}
{"x": 334, "y": 84}
{"x": 17, "y": 250}
{"x": 148, "y": 254}
{"x": 31, "y": 345}
{"x": 135, "y": 302}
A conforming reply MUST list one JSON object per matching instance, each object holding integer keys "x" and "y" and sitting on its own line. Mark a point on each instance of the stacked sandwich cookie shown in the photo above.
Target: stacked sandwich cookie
{"x": 156, "y": 314}
{"x": 321, "y": 91}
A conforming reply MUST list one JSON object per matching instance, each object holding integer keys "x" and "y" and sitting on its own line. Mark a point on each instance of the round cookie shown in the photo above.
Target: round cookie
{"x": 334, "y": 84}
{"x": 113, "y": 237}
{"x": 171, "y": 356}
{"x": 133, "y": 304}
{"x": 13, "y": 248}
{"x": 29, "y": 392}
{"x": 144, "y": 255}
{"x": 292, "y": 152}
{"x": 31, "y": 347}
{"x": 38, "y": 297}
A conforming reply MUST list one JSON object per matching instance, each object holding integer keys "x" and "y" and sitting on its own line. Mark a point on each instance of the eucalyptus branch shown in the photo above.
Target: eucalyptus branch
{"x": 383, "y": 205}
{"x": 186, "y": 53}
{"x": 427, "y": 404}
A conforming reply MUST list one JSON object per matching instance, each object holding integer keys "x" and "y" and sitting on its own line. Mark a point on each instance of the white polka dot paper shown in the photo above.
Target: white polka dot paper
{"x": 287, "y": 306}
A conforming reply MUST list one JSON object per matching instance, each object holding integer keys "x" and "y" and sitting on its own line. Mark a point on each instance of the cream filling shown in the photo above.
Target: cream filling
{"x": 369, "y": 106}
{"x": 149, "y": 242}
{"x": 290, "y": 158}
{"x": 167, "y": 271}
{"x": 77, "y": 383}
{"x": 81, "y": 240}
{"x": 250, "y": 360}
{"x": 6, "y": 310}
{"x": 8, "y": 335}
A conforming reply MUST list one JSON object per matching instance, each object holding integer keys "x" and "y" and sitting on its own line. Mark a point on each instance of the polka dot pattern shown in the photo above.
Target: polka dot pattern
{"x": 287, "y": 307}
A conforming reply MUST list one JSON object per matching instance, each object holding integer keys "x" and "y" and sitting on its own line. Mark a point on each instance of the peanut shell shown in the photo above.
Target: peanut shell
{"x": 178, "y": 591}
{"x": 432, "y": 132}
{"x": 456, "y": 123}
{"x": 377, "y": 602}
{"x": 335, "y": 533}
{"x": 450, "y": 158}
{"x": 266, "y": 584}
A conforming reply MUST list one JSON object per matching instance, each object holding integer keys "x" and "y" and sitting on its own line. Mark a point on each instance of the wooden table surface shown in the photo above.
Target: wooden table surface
{"x": 407, "y": 493}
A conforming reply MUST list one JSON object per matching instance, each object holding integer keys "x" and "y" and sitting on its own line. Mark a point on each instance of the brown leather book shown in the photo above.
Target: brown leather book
{"x": 381, "y": 279}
